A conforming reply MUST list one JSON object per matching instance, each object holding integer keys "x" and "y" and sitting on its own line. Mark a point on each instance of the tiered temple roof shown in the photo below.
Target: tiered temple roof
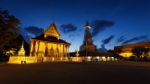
{"x": 51, "y": 35}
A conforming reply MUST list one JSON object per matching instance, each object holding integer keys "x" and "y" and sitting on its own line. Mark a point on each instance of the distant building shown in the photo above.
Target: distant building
{"x": 126, "y": 50}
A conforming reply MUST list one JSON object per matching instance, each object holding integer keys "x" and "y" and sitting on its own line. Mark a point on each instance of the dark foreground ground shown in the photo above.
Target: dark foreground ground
{"x": 76, "y": 73}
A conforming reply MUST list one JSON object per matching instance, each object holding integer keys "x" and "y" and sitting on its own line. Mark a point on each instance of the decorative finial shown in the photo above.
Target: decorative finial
{"x": 87, "y": 25}
{"x": 53, "y": 22}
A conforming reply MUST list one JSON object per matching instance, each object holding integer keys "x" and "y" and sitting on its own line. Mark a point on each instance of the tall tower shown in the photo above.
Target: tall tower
{"x": 88, "y": 42}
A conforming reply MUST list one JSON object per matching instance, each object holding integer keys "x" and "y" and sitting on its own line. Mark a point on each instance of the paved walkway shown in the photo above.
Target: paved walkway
{"x": 76, "y": 73}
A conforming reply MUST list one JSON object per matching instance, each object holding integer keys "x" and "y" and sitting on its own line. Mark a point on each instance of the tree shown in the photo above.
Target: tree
{"x": 16, "y": 43}
{"x": 9, "y": 28}
{"x": 139, "y": 52}
{"x": 146, "y": 51}
{"x": 115, "y": 54}
{"x": 12, "y": 47}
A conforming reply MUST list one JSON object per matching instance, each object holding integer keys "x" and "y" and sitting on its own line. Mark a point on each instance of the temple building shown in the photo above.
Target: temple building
{"x": 88, "y": 51}
{"x": 49, "y": 44}
{"x": 47, "y": 47}
{"x": 126, "y": 50}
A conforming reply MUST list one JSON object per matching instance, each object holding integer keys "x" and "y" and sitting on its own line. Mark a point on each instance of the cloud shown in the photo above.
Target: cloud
{"x": 121, "y": 39}
{"x": 33, "y": 30}
{"x": 137, "y": 38}
{"x": 108, "y": 40}
{"x": 100, "y": 25}
{"x": 67, "y": 28}
{"x": 103, "y": 48}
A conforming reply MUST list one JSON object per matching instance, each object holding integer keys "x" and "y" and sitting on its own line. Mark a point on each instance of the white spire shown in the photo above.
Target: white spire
{"x": 21, "y": 51}
{"x": 77, "y": 53}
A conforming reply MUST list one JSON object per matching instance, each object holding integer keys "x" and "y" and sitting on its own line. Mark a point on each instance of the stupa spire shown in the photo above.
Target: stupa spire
{"x": 21, "y": 51}
{"x": 87, "y": 42}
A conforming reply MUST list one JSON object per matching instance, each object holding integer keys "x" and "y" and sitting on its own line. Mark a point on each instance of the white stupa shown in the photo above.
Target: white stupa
{"x": 21, "y": 51}
{"x": 77, "y": 53}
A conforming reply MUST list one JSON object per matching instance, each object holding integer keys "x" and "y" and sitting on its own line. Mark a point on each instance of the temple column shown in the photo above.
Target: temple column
{"x": 63, "y": 50}
{"x": 57, "y": 51}
{"x": 46, "y": 50}
{"x": 67, "y": 50}
{"x": 60, "y": 48}
{"x": 36, "y": 48}
{"x": 31, "y": 47}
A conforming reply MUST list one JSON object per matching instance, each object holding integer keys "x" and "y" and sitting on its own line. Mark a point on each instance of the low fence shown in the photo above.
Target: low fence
{"x": 22, "y": 60}
{"x": 27, "y": 60}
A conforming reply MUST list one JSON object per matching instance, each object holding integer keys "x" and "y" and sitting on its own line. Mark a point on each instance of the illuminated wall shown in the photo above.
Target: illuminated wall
{"x": 50, "y": 44}
{"x": 50, "y": 49}
{"x": 126, "y": 50}
{"x": 22, "y": 60}
{"x": 126, "y": 54}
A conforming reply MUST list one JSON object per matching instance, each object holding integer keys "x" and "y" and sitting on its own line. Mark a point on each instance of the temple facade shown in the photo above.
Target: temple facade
{"x": 49, "y": 44}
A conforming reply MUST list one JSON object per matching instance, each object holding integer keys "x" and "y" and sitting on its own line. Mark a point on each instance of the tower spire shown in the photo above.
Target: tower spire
{"x": 87, "y": 42}
{"x": 87, "y": 25}
{"x": 88, "y": 36}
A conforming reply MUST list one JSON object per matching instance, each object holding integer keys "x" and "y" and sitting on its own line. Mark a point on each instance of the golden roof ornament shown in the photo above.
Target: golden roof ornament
{"x": 52, "y": 31}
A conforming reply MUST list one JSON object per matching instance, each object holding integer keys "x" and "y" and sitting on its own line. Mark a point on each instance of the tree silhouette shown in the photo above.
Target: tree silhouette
{"x": 16, "y": 44}
{"x": 139, "y": 52}
{"x": 8, "y": 28}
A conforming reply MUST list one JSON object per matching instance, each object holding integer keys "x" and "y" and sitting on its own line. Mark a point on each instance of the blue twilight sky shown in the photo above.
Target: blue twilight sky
{"x": 131, "y": 18}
